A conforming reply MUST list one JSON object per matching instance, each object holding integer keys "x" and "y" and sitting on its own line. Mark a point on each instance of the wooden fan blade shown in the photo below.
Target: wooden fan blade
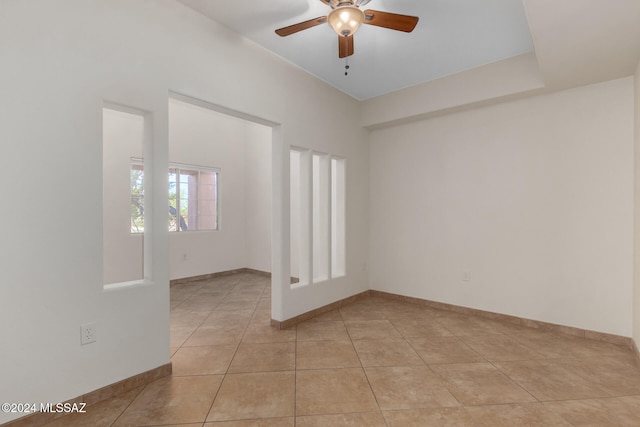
{"x": 392, "y": 21}
{"x": 291, "y": 29}
{"x": 345, "y": 46}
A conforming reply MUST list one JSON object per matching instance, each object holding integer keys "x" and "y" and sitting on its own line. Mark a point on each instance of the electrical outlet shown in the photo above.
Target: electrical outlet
{"x": 88, "y": 333}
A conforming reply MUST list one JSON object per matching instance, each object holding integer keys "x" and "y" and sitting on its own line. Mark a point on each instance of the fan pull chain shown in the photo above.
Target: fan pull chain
{"x": 346, "y": 66}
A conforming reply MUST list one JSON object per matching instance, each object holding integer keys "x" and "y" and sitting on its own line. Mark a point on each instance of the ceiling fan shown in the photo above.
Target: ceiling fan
{"x": 346, "y": 17}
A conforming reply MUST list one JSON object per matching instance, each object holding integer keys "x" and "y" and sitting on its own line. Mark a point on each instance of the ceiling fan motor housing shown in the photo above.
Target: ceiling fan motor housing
{"x": 335, "y": 3}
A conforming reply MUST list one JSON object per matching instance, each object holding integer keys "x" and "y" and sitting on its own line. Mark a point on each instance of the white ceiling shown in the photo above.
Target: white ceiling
{"x": 576, "y": 41}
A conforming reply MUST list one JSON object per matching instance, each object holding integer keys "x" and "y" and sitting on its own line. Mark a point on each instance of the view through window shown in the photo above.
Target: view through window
{"x": 193, "y": 197}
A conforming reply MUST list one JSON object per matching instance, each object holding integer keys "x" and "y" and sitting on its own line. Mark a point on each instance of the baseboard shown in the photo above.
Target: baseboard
{"x": 318, "y": 311}
{"x": 636, "y": 353}
{"x": 535, "y": 324}
{"x": 258, "y": 272}
{"x": 212, "y": 275}
{"x": 225, "y": 273}
{"x": 40, "y": 418}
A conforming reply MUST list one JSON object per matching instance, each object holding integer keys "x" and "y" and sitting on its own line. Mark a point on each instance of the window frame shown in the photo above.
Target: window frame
{"x": 175, "y": 168}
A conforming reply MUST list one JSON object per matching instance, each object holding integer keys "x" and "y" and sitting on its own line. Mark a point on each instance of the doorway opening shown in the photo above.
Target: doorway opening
{"x": 239, "y": 148}
{"x": 225, "y": 184}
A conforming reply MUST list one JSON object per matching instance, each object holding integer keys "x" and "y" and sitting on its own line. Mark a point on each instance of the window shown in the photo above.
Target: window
{"x": 193, "y": 197}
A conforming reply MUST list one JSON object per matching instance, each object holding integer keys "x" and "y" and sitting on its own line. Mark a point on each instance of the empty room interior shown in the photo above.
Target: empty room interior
{"x": 432, "y": 226}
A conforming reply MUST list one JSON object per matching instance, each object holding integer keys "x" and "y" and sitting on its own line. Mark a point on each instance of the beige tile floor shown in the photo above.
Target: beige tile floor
{"x": 377, "y": 362}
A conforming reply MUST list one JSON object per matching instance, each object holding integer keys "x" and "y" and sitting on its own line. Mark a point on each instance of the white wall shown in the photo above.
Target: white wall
{"x": 60, "y": 61}
{"x": 257, "y": 197}
{"x": 204, "y": 137}
{"x": 533, "y": 197}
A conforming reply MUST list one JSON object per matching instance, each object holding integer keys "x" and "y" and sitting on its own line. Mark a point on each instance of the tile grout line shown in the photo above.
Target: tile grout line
{"x": 362, "y": 367}
{"x": 129, "y": 404}
{"x": 486, "y": 360}
{"x": 200, "y": 287}
{"x": 295, "y": 381}
{"x": 224, "y": 377}
{"x": 459, "y": 338}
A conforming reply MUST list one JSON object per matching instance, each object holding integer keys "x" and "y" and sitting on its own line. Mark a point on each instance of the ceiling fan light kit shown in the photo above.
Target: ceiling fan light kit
{"x": 345, "y": 20}
{"x": 346, "y": 17}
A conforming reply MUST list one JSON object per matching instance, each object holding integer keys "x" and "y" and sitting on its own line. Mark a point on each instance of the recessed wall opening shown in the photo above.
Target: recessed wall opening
{"x": 317, "y": 216}
{"x": 338, "y": 212}
{"x": 298, "y": 275}
{"x": 320, "y": 209}
{"x": 123, "y": 133}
